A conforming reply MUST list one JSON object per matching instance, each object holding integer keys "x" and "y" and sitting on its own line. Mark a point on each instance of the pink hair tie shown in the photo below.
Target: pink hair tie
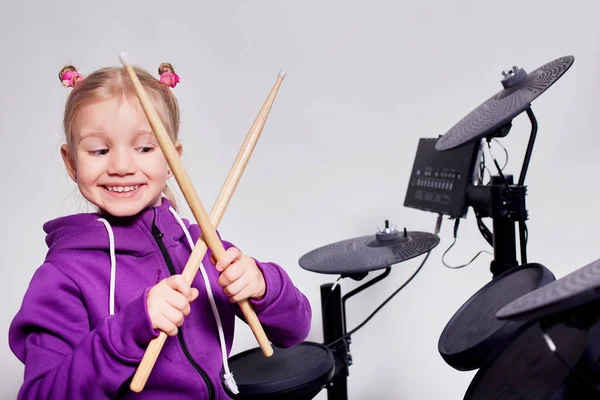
{"x": 170, "y": 79}
{"x": 70, "y": 78}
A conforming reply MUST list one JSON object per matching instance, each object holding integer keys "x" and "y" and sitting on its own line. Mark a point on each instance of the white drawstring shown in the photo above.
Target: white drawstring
{"x": 228, "y": 377}
{"x": 113, "y": 266}
{"x": 229, "y": 380}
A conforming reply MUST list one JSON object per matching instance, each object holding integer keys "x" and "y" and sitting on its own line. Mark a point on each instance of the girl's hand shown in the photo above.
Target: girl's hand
{"x": 240, "y": 276}
{"x": 168, "y": 303}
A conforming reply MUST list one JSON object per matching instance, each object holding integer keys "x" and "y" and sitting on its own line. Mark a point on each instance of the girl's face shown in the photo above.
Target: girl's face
{"x": 115, "y": 159}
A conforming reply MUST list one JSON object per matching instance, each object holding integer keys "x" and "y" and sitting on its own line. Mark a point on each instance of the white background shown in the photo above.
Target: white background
{"x": 365, "y": 81}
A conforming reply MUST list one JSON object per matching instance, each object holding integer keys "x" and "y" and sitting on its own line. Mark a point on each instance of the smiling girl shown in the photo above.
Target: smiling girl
{"x": 111, "y": 280}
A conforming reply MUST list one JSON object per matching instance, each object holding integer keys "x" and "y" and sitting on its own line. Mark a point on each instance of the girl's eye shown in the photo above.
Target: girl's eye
{"x": 100, "y": 152}
{"x": 145, "y": 149}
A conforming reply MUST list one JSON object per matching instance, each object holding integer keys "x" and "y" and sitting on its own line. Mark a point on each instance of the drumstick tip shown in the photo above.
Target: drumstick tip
{"x": 123, "y": 58}
{"x": 282, "y": 73}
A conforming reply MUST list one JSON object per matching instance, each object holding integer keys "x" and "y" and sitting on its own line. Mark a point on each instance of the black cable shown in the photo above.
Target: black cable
{"x": 456, "y": 223}
{"x": 482, "y": 168}
{"x": 336, "y": 283}
{"x": 347, "y": 335}
{"x": 502, "y": 177}
{"x": 505, "y": 153}
{"x": 485, "y": 231}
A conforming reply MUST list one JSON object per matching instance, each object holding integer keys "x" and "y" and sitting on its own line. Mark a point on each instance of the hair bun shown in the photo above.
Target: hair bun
{"x": 165, "y": 67}
{"x": 69, "y": 76}
{"x": 65, "y": 70}
{"x": 168, "y": 75}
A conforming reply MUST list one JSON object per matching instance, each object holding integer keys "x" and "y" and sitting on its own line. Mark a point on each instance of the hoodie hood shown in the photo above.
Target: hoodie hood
{"x": 132, "y": 235}
{"x": 126, "y": 236}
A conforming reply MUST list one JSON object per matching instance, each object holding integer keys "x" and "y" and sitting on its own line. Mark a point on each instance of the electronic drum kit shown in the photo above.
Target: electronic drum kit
{"x": 529, "y": 335}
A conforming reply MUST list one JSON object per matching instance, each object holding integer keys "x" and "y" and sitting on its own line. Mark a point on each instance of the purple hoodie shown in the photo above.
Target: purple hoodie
{"x": 73, "y": 348}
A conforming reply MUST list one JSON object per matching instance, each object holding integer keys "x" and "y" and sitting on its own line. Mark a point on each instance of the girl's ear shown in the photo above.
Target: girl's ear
{"x": 67, "y": 156}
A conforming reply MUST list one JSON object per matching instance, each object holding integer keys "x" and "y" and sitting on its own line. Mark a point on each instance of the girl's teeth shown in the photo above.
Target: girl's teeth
{"x": 121, "y": 188}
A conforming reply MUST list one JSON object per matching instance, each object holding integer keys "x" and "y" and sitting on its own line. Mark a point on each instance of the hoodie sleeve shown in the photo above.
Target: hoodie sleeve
{"x": 284, "y": 311}
{"x": 63, "y": 358}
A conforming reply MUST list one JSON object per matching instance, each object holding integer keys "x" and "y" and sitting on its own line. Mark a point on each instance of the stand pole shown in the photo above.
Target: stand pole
{"x": 504, "y": 239}
{"x": 333, "y": 309}
{"x": 504, "y": 202}
{"x": 334, "y": 327}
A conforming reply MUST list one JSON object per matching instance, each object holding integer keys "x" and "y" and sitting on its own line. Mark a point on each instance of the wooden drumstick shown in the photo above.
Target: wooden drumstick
{"x": 206, "y": 225}
{"x": 150, "y": 356}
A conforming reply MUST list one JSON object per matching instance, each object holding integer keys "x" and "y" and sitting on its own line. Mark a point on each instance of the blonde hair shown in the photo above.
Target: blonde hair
{"x": 111, "y": 82}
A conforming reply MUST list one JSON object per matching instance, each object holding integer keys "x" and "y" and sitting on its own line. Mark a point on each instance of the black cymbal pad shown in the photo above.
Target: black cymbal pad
{"x": 367, "y": 253}
{"x": 576, "y": 289}
{"x": 520, "y": 90}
